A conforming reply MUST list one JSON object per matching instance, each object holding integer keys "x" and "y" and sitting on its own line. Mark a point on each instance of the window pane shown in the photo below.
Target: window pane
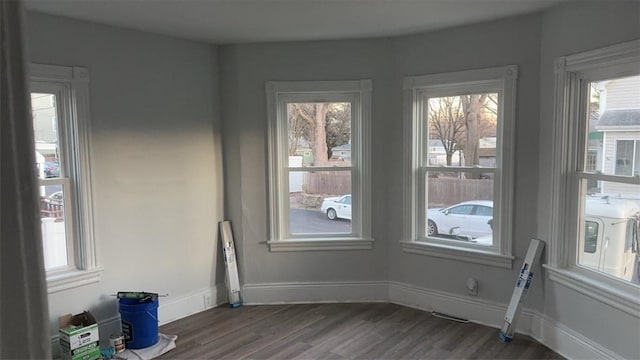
{"x": 624, "y": 157}
{"x": 52, "y": 196}
{"x": 466, "y": 209}
{"x": 320, "y": 202}
{"x": 45, "y": 126}
{"x": 52, "y": 219}
{"x": 590, "y": 236}
{"x": 462, "y": 130}
{"x": 610, "y": 231}
{"x": 459, "y": 208}
{"x": 319, "y": 134}
{"x": 613, "y": 127}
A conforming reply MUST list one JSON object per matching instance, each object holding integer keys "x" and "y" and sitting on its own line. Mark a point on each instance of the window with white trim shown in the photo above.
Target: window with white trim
{"x": 319, "y": 165}
{"x": 596, "y": 211}
{"x": 628, "y": 156}
{"x": 59, "y": 102}
{"x": 459, "y": 136}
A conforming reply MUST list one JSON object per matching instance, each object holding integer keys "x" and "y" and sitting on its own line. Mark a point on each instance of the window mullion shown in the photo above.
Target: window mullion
{"x": 461, "y": 169}
{"x": 318, "y": 168}
{"x": 423, "y": 195}
{"x": 582, "y": 123}
{"x": 633, "y": 180}
{"x": 74, "y": 248}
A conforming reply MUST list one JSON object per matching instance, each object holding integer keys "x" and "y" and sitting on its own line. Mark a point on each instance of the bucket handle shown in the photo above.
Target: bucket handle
{"x": 153, "y": 317}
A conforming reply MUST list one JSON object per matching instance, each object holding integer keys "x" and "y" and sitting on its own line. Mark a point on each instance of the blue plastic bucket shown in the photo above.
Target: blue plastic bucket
{"x": 139, "y": 322}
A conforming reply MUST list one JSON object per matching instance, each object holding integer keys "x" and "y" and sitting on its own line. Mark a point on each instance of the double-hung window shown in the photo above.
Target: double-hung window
{"x": 596, "y": 172}
{"x": 459, "y": 164}
{"x": 319, "y": 165}
{"x": 59, "y": 102}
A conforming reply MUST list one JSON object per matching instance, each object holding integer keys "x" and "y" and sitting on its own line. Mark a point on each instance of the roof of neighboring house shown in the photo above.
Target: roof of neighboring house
{"x": 435, "y": 142}
{"x": 594, "y": 116}
{"x": 487, "y": 142}
{"x": 342, "y": 147}
{"x": 627, "y": 117}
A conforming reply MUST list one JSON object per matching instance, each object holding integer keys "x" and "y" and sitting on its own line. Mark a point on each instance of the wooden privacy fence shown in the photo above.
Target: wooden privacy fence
{"x": 442, "y": 192}
{"x": 448, "y": 191}
{"x": 334, "y": 183}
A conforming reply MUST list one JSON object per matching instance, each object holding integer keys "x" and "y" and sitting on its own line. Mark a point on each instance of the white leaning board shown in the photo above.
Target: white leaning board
{"x": 229, "y": 252}
{"x": 522, "y": 286}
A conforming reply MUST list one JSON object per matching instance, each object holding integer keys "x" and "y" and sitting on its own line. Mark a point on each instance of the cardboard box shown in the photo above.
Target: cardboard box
{"x": 79, "y": 338}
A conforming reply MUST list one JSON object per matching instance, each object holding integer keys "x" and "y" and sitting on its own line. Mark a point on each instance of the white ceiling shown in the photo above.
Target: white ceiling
{"x": 242, "y": 21}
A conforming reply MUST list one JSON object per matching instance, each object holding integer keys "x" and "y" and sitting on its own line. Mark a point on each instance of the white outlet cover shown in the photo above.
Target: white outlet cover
{"x": 472, "y": 284}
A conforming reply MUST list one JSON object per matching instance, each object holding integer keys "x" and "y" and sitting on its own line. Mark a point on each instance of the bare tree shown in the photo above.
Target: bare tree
{"x": 472, "y": 106}
{"x": 491, "y": 104}
{"x": 298, "y": 129}
{"x": 315, "y": 115}
{"x": 447, "y": 122}
{"x": 460, "y": 121}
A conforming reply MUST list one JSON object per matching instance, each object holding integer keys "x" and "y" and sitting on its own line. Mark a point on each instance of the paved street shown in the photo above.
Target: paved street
{"x": 305, "y": 221}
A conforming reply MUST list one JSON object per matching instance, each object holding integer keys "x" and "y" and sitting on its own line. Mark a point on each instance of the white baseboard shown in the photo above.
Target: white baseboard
{"x": 566, "y": 341}
{"x": 549, "y": 332}
{"x": 317, "y": 292}
{"x": 170, "y": 309}
{"x": 476, "y": 310}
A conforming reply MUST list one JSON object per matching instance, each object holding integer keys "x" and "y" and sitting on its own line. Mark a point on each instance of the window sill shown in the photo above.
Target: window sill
{"x": 612, "y": 292}
{"x": 72, "y": 279}
{"x": 457, "y": 253}
{"x": 321, "y": 244}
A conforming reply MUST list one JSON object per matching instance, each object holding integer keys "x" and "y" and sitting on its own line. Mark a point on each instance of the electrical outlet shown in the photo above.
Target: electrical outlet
{"x": 472, "y": 286}
{"x": 208, "y": 301}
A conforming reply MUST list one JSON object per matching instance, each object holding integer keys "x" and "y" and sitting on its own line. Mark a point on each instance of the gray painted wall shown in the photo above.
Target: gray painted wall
{"x": 510, "y": 41}
{"x": 245, "y": 70}
{"x": 156, "y": 161}
{"x": 567, "y": 30}
{"x": 247, "y": 67}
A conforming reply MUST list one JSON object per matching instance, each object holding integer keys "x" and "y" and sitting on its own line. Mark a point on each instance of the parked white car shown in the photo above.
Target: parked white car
{"x": 469, "y": 218}
{"x": 338, "y": 207}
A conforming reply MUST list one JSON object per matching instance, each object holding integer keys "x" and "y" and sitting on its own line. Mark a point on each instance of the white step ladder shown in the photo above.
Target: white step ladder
{"x": 522, "y": 286}
{"x": 229, "y": 252}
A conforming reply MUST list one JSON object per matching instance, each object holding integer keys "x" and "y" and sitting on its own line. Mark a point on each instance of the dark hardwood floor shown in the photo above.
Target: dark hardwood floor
{"x": 339, "y": 331}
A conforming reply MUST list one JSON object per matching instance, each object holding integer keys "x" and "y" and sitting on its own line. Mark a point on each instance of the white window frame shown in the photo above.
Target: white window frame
{"x": 71, "y": 88}
{"x": 358, "y": 93}
{"x": 500, "y": 80}
{"x": 573, "y": 74}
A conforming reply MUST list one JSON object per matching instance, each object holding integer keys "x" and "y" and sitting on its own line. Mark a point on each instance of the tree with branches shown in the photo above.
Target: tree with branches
{"x": 322, "y": 125}
{"x": 314, "y": 114}
{"x": 338, "y": 126}
{"x": 298, "y": 130}
{"x": 472, "y": 107}
{"x": 447, "y": 123}
{"x": 460, "y": 121}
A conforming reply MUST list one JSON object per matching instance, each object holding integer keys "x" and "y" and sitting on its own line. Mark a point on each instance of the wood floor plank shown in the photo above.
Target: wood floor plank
{"x": 337, "y": 332}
